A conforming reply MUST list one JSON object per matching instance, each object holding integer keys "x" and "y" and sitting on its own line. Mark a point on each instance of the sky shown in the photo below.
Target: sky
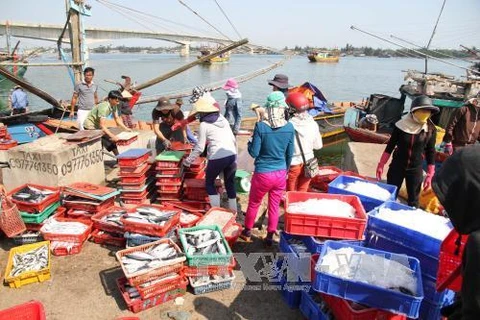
{"x": 279, "y": 23}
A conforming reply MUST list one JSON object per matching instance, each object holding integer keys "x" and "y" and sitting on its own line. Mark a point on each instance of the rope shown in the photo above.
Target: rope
{"x": 224, "y": 13}
{"x": 204, "y": 20}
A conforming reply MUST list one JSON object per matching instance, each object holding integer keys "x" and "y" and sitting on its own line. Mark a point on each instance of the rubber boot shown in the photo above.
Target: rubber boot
{"x": 214, "y": 200}
{"x": 232, "y": 204}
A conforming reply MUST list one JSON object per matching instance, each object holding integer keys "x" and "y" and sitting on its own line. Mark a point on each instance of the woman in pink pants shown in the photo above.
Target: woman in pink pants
{"x": 272, "y": 147}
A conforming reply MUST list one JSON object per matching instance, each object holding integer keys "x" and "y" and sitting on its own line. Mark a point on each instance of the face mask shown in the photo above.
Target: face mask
{"x": 422, "y": 115}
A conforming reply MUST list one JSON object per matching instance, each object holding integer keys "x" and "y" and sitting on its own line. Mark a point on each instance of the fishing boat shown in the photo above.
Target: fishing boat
{"x": 324, "y": 56}
{"x": 221, "y": 58}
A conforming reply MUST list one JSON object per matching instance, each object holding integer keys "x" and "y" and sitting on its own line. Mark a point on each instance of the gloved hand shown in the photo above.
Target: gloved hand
{"x": 167, "y": 144}
{"x": 185, "y": 163}
{"x": 383, "y": 160}
{"x": 179, "y": 124}
{"x": 448, "y": 148}
{"x": 428, "y": 179}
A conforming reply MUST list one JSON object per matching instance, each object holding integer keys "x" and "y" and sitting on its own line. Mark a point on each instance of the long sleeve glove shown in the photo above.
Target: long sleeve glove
{"x": 383, "y": 160}
{"x": 428, "y": 179}
{"x": 167, "y": 144}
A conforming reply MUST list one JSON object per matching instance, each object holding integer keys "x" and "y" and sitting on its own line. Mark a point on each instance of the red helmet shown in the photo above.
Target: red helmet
{"x": 298, "y": 101}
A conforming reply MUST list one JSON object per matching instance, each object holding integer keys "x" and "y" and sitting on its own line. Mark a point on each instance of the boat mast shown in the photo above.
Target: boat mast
{"x": 75, "y": 10}
{"x": 433, "y": 33}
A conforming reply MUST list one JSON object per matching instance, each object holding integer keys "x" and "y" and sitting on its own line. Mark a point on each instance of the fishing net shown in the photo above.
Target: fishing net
{"x": 10, "y": 221}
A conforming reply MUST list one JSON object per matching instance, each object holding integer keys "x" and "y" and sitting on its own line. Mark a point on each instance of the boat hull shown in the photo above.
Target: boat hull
{"x": 313, "y": 58}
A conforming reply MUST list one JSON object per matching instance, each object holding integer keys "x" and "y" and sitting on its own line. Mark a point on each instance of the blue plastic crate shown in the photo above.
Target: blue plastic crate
{"x": 404, "y": 236}
{"x": 429, "y": 264}
{"x": 315, "y": 245}
{"x": 431, "y": 311}
{"x": 291, "y": 293}
{"x": 300, "y": 263}
{"x": 367, "y": 202}
{"x": 310, "y": 309}
{"x": 367, "y": 294}
{"x": 431, "y": 294}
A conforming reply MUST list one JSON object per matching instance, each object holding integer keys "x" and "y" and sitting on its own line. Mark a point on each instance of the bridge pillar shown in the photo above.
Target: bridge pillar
{"x": 185, "y": 51}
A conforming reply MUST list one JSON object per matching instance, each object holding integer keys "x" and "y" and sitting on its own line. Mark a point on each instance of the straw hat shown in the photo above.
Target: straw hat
{"x": 205, "y": 104}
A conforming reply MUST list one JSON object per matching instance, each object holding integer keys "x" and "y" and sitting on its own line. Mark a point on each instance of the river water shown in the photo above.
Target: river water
{"x": 352, "y": 79}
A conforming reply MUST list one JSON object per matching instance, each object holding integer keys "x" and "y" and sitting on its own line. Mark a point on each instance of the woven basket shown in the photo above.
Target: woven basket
{"x": 10, "y": 221}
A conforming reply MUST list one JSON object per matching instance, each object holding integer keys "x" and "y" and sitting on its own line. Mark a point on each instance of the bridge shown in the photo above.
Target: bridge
{"x": 52, "y": 32}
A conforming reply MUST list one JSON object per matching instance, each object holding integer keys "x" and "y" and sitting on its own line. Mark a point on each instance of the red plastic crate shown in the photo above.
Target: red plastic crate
{"x": 134, "y": 194}
{"x": 196, "y": 196}
{"x": 63, "y": 251}
{"x": 134, "y": 201}
{"x": 137, "y": 305}
{"x": 226, "y": 216}
{"x": 342, "y": 309}
{"x": 103, "y": 237}
{"x": 6, "y": 144}
{"x": 168, "y": 171}
{"x": 127, "y": 142}
{"x": 133, "y": 162}
{"x": 191, "y": 206}
{"x": 32, "y": 310}
{"x": 134, "y": 180}
{"x": 209, "y": 270}
{"x": 69, "y": 237}
{"x": 98, "y": 223}
{"x": 36, "y": 207}
{"x": 179, "y": 146}
{"x": 59, "y": 213}
{"x": 79, "y": 214}
{"x": 320, "y": 182}
{"x": 195, "y": 175}
{"x": 169, "y": 188}
{"x": 192, "y": 223}
{"x": 167, "y": 165}
{"x": 161, "y": 287}
{"x": 90, "y": 207}
{"x": 136, "y": 173}
{"x": 325, "y": 226}
{"x": 168, "y": 196}
{"x": 233, "y": 237}
{"x": 152, "y": 229}
{"x": 449, "y": 274}
{"x": 175, "y": 180}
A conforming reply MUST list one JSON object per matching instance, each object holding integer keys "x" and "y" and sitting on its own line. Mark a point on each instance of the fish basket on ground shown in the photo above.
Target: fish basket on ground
{"x": 98, "y": 223}
{"x": 191, "y": 206}
{"x": 61, "y": 249}
{"x": 420, "y": 242}
{"x": 39, "y": 217}
{"x": 322, "y": 225}
{"x": 221, "y": 217}
{"x": 193, "y": 222}
{"x": 367, "y": 294}
{"x": 190, "y": 271}
{"x": 213, "y": 285}
{"x": 152, "y": 229}
{"x": 321, "y": 180}
{"x": 135, "y": 239}
{"x": 29, "y": 276}
{"x": 138, "y": 277}
{"x": 450, "y": 260}
{"x": 315, "y": 245}
{"x": 161, "y": 287}
{"x": 76, "y": 238}
{"x": 232, "y": 233}
{"x": 429, "y": 264}
{"x": 337, "y": 186}
{"x": 32, "y": 310}
{"x": 205, "y": 259}
{"x": 310, "y": 309}
{"x": 28, "y": 237}
{"x": 59, "y": 213}
{"x": 136, "y": 305}
{"x": 10, "y": 221}
{"x": 105, "y": 237}
{"x": 343, "y": 309}
{"x": 35, "y": 207}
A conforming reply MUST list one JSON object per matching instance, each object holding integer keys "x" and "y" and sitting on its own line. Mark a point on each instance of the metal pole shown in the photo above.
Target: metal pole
{"x": 433, "y": 33}
{"x": 416, "y": 51}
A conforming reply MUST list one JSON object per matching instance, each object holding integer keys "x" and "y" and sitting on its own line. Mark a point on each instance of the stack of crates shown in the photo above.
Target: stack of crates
{"x": 6, "y": 141}
{"x": 83, "y": 200}
{"x": 304, "y": 237}
{"x": 194, "y": 189}
{"x": 63, "y": 244}
{"x": 136, "y": 176}
{"x": 214, "y": 271}
{"x": 34, "y": 211}
{"x": 169, "y": 174}
{"x": 387, "y": 236}
{"x": 147, "y": 287}
{"x": 196, "y": 169}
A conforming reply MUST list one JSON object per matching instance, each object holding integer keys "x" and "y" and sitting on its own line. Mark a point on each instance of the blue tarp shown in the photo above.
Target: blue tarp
{"x": 319, "y": 100}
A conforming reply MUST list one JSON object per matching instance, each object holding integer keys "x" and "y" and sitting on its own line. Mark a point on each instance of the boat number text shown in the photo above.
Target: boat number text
{"x": 77, "y": 163}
